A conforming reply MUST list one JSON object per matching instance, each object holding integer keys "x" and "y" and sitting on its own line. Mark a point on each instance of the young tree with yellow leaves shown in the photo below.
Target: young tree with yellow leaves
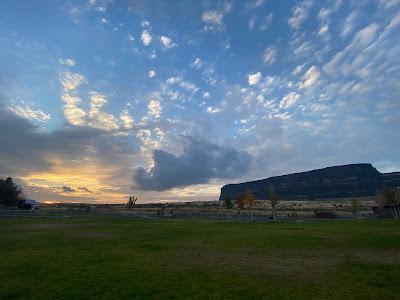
{"x": 250, "y": 202}
{"x": 274, "y": 200}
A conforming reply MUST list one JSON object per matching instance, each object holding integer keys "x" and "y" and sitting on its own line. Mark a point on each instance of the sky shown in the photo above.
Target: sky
{"x": 170, "y": 100}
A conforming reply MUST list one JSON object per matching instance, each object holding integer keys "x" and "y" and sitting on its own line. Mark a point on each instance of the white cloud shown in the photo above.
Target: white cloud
{"x": 145, "y": 24}
{"x": 173, "y": 80}
{"x": 252, "y": 22}
{"x": 213, "y": 20}
{"x": 289, "y": 100}
{"x": 197, "y": 63}
{"x": 167, "y": 42}
{"x": 311, "y": 76}
{"x": 186, "y": 85}
{"x": 389, "y": 3}
{"x": 366, "y": 35}
{"x": 323, "y": 30}
{"x": 73, "y": 114}
{"x": 299, "y": 14}
{"x": 126, "y": 119}
{"x": 298, "y": 69}
{"x": 146, "y": 37}
{"x": 213, "y": 109}
{"x": 71, "y": 81}
{"x": 98, "y": 118}
{"x": 270, "y": 55}
{"x": 151, "y": 74}
{"x": 254, "y": 78}
{"x": 189, "y": 86}
{"x": 25, "y": 111}
{"x": 266, "y": 22}
{"x": 212, "y": 17}
{"x": 67, "y": 62}
{"x": 254, "y": 3}
{"x": 206, "y": 95}
{"x": 154, "y": 108}
{"x": 348, "y": 24}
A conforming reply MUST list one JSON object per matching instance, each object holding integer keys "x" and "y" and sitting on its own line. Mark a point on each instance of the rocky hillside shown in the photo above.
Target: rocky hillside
{"x": 355, "y": 180}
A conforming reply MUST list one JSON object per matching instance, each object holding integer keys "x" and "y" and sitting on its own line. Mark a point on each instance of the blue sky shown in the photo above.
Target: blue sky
{"x": 172, "y": 99}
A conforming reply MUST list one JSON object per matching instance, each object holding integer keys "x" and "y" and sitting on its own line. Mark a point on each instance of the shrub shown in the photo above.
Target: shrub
{"x": 325, "y": 214}
{"x": 228, "y": 202}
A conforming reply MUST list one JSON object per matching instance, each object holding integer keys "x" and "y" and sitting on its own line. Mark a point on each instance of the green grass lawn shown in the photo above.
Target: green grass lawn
{"x": 118, "y": 258}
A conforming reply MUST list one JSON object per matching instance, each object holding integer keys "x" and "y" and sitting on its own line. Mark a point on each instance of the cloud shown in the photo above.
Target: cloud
{"x": 348, "y": 24}
{"x": 253, "y": 4}
{"x": 167, "y": 42}
{"x": 254, "y": 78}
{"x": 389, "y": 3}
{"x": 67, "y": 189}
{"x": 311, "y": 76}
{"x": 197, "y": 63}
{"x": 341, "y": 63}
{"x": 299, "y": 14}
{"x": 126, "y": 118}
{"x": 151, "y": 74}
{"x": 67, "y": 62}
{"x": 71, "y": 156}
{"x": 266, "y": 22}
{"x": 26, "y": 111}
{"x": 70, "y": 82}
{"x": 298, "y": 69}
{"x": 213, "y": 109}
{"x": 146, "y": 37}
{"x": 323, "y": 30}
{"x": 289, "y": 100}
{"x": 145, "y": 24}
{"x": 186, "y": 85}
{"x": 270, "y": 55}
{"x": 199, "y": 162}
{"x": 154, "y": 108}
{"x": 213, "y": 19}
{"x": 98, "y": 118}
{"x": 252, "y": 22}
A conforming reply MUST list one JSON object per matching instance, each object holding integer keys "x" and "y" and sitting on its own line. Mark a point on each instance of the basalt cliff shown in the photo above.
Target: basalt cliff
{"x": 354, "y": 180}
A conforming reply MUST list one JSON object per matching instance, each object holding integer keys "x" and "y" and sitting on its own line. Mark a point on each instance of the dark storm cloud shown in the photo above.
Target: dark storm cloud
{"x": 67, "y": 189}
{"x": 85, "y": 189}
{"x": 199, "y": 162}
{"x": 25, "y": 148}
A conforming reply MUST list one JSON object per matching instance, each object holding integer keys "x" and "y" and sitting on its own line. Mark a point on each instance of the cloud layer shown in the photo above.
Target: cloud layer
{"x": 199, "y": 163}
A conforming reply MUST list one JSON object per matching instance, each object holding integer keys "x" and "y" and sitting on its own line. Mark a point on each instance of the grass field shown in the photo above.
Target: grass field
{"x": 121, "y": 258}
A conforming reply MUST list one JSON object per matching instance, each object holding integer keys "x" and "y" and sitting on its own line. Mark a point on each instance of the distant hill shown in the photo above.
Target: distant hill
{"x": 354, "y": 180}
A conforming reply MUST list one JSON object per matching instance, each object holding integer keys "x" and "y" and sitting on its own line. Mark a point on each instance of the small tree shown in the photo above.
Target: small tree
{"x": 274, "y": 200}
{"x": 132, "y": 201}
{"x": 10, "y": 193}
{"x": 389, "y": 198}
{"x": 355, "y": 207}
{"x": 250, "y": 202}
{"x": 228, "y": 202}
{"x": 240, "y": 201}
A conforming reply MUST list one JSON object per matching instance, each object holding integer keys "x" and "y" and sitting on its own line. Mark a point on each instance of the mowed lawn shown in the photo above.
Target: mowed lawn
{"x": 120, "y": 258}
